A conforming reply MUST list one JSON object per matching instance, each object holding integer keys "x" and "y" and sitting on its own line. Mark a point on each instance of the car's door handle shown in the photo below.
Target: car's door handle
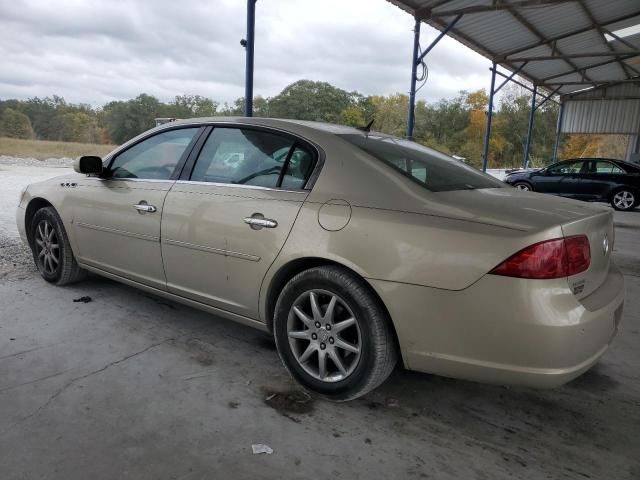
{"x": 143, "y": 207}
{"x": 258, "y": 222}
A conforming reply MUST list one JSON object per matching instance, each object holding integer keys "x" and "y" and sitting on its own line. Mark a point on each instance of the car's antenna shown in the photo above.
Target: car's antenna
{"x": 367, "y": 127}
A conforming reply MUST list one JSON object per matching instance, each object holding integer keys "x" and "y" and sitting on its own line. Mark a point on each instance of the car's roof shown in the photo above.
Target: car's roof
{"x": 634, "y": 166}
{"x": 323, "y": 126}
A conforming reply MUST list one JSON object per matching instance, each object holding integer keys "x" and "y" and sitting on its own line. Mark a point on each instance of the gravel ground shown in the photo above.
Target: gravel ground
{"x": 130, "y": 385}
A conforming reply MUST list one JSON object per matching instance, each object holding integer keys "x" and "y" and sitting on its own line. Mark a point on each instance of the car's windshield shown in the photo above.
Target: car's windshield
{"x": 433, "y": 170}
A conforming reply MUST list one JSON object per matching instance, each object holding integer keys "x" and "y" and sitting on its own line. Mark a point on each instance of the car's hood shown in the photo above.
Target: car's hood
{"x": 510, "y": 208}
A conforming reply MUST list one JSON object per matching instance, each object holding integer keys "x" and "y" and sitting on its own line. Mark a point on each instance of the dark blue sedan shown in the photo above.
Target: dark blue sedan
{"x": 588, "y": 179}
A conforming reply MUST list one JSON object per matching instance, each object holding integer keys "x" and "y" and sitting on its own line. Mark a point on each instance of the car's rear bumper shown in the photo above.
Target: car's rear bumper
{"x": 505, "y": 330}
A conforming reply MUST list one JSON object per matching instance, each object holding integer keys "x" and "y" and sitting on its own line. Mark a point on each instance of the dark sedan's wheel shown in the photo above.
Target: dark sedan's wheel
{"x": 624, "y": 199}
{"x": 51, "y": 250}
{"x": 332, "y": 334}
{"x": 523, "y": 186}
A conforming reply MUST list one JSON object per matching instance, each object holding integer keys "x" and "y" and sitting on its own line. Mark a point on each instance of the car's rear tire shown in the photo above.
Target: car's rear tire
{"x": 51, "y": 249}
{"x": 330, "y": 313}
{"x": 526, "y": 186}
{"x": 624, "y": 199}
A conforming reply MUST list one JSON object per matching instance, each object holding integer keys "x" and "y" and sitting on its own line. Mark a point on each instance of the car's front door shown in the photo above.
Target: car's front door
{"x": 559, "y": 179}
{"x": 116, "y": 219}
{"x": 226, "y": 220}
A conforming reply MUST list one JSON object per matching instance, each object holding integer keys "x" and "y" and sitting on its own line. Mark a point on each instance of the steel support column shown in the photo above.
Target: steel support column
{"x": 556, "y": 145}
{"x": 414, "y": 72}
{"x": 487, "y": 133}
{"x": 532, "y": 114}
{"x": 416, "y": 59}
{"x": 248, "y": 81}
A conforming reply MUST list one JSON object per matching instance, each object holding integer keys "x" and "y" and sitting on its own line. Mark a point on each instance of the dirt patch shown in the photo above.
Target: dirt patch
{"x": 16, "y": 261}
{"x": 203, "y": 358}
{"x": 288, "y": 403}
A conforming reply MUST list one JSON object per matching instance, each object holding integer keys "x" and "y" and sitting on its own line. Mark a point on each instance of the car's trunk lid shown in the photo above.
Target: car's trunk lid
{"x": 531, "y": 212}
{"x": 511, "y": 208}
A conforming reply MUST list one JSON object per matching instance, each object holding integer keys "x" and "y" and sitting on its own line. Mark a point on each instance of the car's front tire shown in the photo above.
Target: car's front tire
{"x": 51, "y": 249}
{"x": 624, "y": 199}
{"x": 526, "y": 186}
{"x": 332, "y": 333}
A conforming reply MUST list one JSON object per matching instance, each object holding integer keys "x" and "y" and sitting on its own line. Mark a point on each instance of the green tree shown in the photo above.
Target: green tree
{"x": 260, "y": 108}
{"x": 309, "y": 100}
{"x": 125, "y": 120}
{"x": 189, "y": 106}
{"x": 391, "y": 113}
{"x": 15, "y": 124}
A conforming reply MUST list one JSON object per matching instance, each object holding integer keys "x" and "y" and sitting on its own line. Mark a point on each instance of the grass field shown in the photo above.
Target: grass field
{"x": 43, "y": 149}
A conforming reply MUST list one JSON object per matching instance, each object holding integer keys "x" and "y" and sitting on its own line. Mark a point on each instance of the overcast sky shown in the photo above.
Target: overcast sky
{"x": 94, "y": 51}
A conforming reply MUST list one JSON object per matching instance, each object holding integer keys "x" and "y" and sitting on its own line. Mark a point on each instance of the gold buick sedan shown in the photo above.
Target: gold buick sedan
{"x": 354, "y": 249}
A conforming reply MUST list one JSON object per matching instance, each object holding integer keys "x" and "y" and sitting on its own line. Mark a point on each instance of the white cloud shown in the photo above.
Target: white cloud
{"x": 94, "y": 51}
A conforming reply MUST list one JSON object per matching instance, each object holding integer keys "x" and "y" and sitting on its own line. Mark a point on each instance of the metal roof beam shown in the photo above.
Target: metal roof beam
{"x": 592, "y": 82}
{"x": 626, "y": 44}
{"x": 527, "y": 24}
{"x": 547, "y": 98}
{"x": 625, "y": 68}
{"x": 496, "y": 6}
{"x": 543, "y": 58}
{"x": 424, "y": 12}
{"x": 526, "y": 87}
{"x": 578, "y": 99}
{"x": 510, "y": 77}
{"x": 579, "y": 69}
{"x": 438, "y": 38}
{"x": 549, "y": 41}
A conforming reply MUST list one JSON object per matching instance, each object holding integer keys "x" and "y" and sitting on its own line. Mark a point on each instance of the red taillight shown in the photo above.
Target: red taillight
{"x": 578, "y": 254}
{"x": 561, "y": 257}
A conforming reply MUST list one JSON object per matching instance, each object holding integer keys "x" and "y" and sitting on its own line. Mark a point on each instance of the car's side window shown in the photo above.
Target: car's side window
{"x": 252, "y": 157}
{"x": 606, "y": 167}
{"x": 298, "y": 169}
{"x": 154, "y": 158}
{"x": 566, "y": 168}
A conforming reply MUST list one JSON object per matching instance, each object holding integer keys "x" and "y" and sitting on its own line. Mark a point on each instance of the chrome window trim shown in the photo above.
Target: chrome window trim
{"x": 146, "y": 180}
{"x": 313, "y": 177}
{"x": 237, "y": 185}
{"x": 150, "y": 180}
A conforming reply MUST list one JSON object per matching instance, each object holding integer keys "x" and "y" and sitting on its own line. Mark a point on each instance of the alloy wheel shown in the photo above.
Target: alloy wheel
{"x": 523, "y": 186}
{"x": 324, "y": 335}
{"x": 47, "y": 247}
{"x": 624, "y": 200}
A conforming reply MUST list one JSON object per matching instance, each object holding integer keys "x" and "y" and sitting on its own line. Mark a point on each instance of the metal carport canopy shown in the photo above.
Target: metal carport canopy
{"x": 559, "y": 45}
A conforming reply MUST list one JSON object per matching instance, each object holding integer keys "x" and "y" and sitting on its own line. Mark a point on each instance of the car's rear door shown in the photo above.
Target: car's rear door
{"x": 116, "y": 219}
{"x": 602, "y": 177}
{"x": 224, "y": 221}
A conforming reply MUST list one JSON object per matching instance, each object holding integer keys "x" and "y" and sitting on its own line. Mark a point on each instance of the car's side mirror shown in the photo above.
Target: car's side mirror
{"x": 88, "y": 164}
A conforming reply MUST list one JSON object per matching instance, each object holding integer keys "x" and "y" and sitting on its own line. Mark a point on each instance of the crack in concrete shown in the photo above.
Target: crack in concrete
{"x": 61, "y": 390}
{"x": 30, "y": 350}
{"x": 30, "y": 382}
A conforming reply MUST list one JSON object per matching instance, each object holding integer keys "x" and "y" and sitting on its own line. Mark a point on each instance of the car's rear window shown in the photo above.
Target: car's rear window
{"x": 433, "y": 170}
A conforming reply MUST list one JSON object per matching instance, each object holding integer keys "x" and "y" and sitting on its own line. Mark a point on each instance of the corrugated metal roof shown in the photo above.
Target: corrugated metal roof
{"x": 510, "y": 31}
